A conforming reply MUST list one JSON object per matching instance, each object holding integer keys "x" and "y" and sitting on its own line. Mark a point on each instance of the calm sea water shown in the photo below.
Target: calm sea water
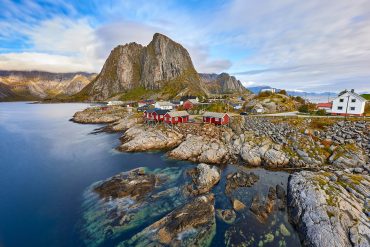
{"x": 47, "y": 163}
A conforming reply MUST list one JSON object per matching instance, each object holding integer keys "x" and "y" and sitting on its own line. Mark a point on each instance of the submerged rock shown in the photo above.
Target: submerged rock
{"x": 262, "y": 208}
{"x": 190, "y": 225}
{"x": 227, "y": 215}
{"x": 330, "y": 213}
{"x": 238, "y": 205}
{"x": 127, "y": 201}
{"x": 240, "y": 179}
{"x": 135, "y": 184}
{"x": 204, "y": 178}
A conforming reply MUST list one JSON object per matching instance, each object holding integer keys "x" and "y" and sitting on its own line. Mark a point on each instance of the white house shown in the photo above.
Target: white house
{"x": 349, "y": 103}
{"x": 164, "y": 105}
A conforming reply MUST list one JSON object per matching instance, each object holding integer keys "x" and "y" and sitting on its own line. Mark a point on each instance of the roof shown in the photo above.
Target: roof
{"x": 178, "y": 113}
{"x": 162, "y": 103}
{"x": 359, "y": 97}
{"x": 214, "y": 114}
{"x": 193, "y": 101}
{"x": 184, "y": 98}
{"x": 325, "y": 105}
{"x": 157, "y": 111}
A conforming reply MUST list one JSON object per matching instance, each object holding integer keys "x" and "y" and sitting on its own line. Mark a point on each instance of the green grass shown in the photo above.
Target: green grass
{"x": 366, "y": 96}
{"x": 137, "y": 94}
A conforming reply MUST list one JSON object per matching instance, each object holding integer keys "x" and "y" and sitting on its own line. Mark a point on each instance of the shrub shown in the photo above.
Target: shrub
{"x": 321, "y": 112}
{"x": 283, "y": 92}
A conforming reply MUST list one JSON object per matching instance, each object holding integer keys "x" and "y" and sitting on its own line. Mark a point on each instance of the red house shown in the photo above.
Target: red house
{"x": 154, "y": 115}
{"x": 190, "y": 103}
{"x": 174, "y": 117}
{"x": 216, "y": 118}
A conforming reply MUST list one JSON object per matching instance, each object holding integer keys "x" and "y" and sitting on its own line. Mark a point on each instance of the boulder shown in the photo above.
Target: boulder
{"x": 227, "y": 215}
{"x": 204, "y": 177}
{"x": 240, "y": 179}
{"x": 325, "y": 212}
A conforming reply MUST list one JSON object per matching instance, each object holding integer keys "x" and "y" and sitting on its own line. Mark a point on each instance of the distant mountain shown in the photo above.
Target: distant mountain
{"x": 164, "y": 68}
{"x": 37, "y": 85}
{"x": 222, "y": 83}
{"x": 257, "y": 89}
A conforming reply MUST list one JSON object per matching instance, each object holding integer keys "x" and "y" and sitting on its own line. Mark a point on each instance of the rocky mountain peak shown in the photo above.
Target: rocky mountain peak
{"x": 222, "y": 83}
{"x": 162, "y": 65}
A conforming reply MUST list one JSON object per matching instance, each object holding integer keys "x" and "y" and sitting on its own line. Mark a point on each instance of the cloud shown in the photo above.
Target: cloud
{"x": 291, "y": 44}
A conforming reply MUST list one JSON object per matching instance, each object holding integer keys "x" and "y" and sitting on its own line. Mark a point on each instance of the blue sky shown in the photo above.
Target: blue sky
{"x": 298, "y": 45}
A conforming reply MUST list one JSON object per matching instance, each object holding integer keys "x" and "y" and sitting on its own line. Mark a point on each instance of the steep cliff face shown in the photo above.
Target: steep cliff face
{"x": 163, "y": 66}
{"x": 36, "y": 85}
{"x": 6, "y": 93}
{"x": 222, "y": 83}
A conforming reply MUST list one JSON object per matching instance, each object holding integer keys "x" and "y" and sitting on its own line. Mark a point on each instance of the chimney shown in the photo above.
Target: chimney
{"x": 352, "y": 90}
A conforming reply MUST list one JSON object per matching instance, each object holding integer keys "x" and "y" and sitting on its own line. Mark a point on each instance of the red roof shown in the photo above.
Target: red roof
{"x": 324, "y": 105}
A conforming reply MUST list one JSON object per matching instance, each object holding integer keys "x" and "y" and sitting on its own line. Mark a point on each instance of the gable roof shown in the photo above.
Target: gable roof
{"x": 214, "y": 114}
{"x": 164, "y": 103}
{"x": 157, "y": 111}
{"x": 359, "y": 97}
{"x": 193, "y": 101}
{"x": 326, "y": 104}
{"x": 177, "y": 113}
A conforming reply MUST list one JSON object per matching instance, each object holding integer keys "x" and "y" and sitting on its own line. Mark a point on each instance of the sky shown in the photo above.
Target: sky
{"x": 311, "y": 45}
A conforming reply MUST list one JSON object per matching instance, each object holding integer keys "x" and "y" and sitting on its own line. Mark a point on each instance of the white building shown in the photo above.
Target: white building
{"x": 349, "y": 103}
{"x": 272, "y": 90}
{"x": 164, "y": 105}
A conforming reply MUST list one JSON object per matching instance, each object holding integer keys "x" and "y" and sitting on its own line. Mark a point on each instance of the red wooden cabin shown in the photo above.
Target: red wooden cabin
{"x": 216, "y": 118}
{"x": 175, "y": 117}
{"x": 156, "y": 115}
{"x": 190, "y": 103}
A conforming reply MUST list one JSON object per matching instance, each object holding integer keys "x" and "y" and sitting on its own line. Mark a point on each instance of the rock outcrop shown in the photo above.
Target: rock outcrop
{"x": 222, "y": 83}
{"x": 200, "y": 149}
{"x": 191, "y": 225}
{"x": 204, "y": 177}
{"x": 141, "y": 138}
{"x": 162, "y": 65}
{"x": 97, "y": 115}
{"x": 330, "y": 209}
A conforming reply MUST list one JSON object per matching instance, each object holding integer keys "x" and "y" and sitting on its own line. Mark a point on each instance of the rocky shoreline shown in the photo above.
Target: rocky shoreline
{"x": 337, "y": 155}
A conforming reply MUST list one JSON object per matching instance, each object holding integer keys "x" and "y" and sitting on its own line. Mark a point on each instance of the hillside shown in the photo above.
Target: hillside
{"x": 272, "y": 103}
{"x": 37, "y": 85}
{"x": 163, "y": 68}
{"x": 222, "y": 83}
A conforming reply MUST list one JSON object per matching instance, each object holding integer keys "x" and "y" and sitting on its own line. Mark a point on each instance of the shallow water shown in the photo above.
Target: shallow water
{"x": 48, "y": 166}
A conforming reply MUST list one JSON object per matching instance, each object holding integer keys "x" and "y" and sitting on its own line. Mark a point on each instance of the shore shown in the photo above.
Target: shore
{"x": 336, "y": 152}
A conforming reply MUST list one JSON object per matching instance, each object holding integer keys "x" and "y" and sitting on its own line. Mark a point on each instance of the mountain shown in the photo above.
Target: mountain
{"x": 222, "y": 83}
{"x": 6, "y": 93}
{"x": 37, "y": 85}
{"x": 163, "y": 67}
{"x": 257, "y": 89}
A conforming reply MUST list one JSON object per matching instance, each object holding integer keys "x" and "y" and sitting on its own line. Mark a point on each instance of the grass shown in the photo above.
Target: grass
{"x": 366, "y": 96}
{"x": 137, "y": 94}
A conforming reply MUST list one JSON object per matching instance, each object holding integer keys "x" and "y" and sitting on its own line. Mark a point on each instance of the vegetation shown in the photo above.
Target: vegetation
{"x": 306, "y": 108}
{"x": 366, "y": 96}
{"x": 283, "y": 92}
{"x": 137, "y": 94}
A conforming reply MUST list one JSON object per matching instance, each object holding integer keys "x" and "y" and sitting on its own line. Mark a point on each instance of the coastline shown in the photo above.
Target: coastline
{"x": 217, "y": 146}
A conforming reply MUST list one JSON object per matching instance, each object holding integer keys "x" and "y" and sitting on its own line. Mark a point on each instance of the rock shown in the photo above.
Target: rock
{"x": 250, "y": 155}
{"x": 142, "y": 138}
{"x": 227, "y": 215}
{"x": 98, "y": 115}
{"x": 324, "y": 212}
{"x": 200, "y": 149}
{"x": 261, "y": 208}
{"x": 135, "y": 184}
{"x": 284, "y": 231}
{"x": 240, "y": 179}
{"x": 204, "y": 178}
{"x": 132, "y": 65}
{"x": 190, "y": 225}
{"x": 238, "y": 205}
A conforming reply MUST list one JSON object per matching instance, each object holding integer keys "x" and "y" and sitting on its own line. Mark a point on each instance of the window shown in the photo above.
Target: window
{"x": 340, "y": 107}
{"x": 353, "y": 100}
{"x": 353, "y": 108}
{"x": 341, "y": 100}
